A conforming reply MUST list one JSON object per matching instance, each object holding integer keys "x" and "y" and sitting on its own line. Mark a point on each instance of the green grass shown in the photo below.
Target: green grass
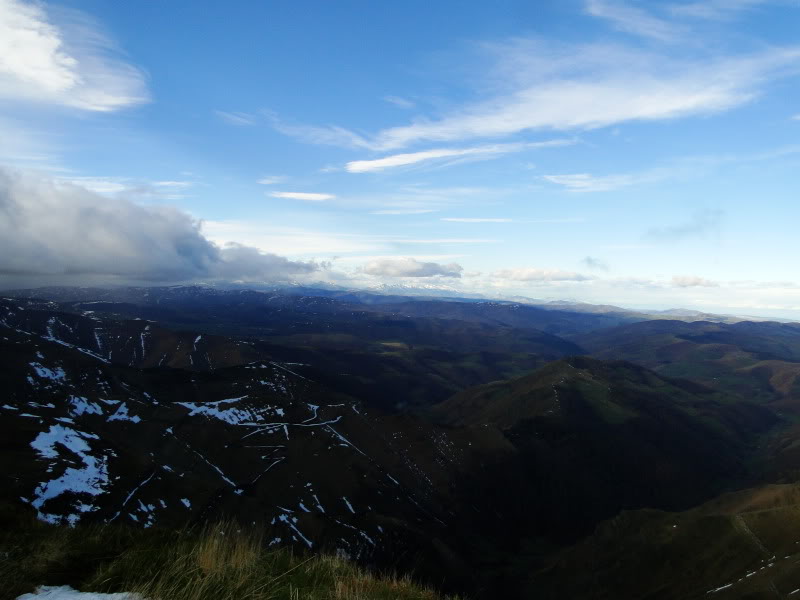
{"x": 217, "y": 562}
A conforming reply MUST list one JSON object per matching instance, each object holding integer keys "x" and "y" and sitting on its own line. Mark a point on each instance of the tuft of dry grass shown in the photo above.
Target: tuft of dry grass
{"x": 217, "y": 562}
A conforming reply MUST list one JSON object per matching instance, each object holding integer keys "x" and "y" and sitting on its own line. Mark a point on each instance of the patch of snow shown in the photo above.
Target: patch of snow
{"x": 350, "y": 506}
{"x": 56, "y": 374}
{"x": 81, "y": 406}
{"x": 232, "y": 415}
{"x": 91, "y": 479}
{"x": 130, "y": 495}
{"x": 122, "y": 415}
{"x": 291, "y": 524}
{"x": 65, "y": 592}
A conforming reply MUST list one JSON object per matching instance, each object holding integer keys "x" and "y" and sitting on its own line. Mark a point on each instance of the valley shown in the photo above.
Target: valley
{"x": 488, "y": 448}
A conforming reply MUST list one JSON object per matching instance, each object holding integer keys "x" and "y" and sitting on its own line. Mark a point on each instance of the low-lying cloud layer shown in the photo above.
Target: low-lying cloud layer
{"x": 51, "y": 228}
{"x": 536, "y": 274}
{"x": 411, "y": 267}
{"x": 687, "y": 281}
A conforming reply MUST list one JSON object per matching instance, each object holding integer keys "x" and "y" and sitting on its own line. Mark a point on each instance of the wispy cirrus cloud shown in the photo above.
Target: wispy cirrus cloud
{"x": 403, "y": 211}
{"x": 129, "y": 187}
{"x": 331, "y": 135}
{"x": 714, "y": 9}
{"x": 419, "y": 199}
{"x": 543, "y": 85}
{"x": 672, "y": 25}
{"x": 507, "y": 220}
{"x": 685, "y": 167}
{"x": 447, "y": 241}
{"x": 399, "y": 102}
{"x": 584, "y": 182}
{"x": 307, "y": 196}
{"x": 632, "y": 19}
{"x": 236, "y": 118}
{"x": 476, "y": 220}
{"x": 700, "y": 224}
{"x": 272, "y": 180}
{"x": 477, "y": 152}
{"x": 68, "y": 63}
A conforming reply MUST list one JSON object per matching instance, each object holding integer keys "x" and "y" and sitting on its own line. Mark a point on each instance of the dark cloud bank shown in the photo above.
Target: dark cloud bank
{"x": 51, "y": 231}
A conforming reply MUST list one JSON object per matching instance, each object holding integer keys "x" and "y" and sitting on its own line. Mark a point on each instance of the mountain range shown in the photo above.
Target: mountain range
{"x": 488, "y": 447}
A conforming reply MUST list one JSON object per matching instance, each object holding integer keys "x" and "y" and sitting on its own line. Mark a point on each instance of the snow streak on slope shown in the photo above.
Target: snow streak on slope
{"x": 89, "y": 480}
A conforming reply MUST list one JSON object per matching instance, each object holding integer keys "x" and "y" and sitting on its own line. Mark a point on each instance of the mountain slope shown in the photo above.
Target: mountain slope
{"x": 595, "y": 437}
{"x": 759, "y": 361}
{"x": 740, "y": 545}
{"x": 392, "y": 361}
{"x": 84, "y": 439}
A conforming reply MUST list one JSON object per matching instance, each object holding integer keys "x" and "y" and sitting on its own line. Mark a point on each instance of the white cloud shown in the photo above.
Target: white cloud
{"x": 684, "y": 167}
{"x": 448, "y": 241}
{"x": 700, "y": 224}
{"x": 236, "y": 118}
{"x": 272, "y": 180}
{"x": 631, "y": 19}
{"x": 173, "y": 184}
{"x": 796, "y": 117}
{"x": 584, "y": 182}
{"x": 169, "y": 190}
{"x": 411, "y": 158}
{"x": 403, "y": 211}
{"x": 418, "y": 199}
{"x": 685, "y": 281}
{"x": 71, "y": 63}
{"x": 595, "y": 263}
{"x": 399, "y": 102}
{"x": 534, "y": 274}
{"x": 55, "y": 229}
{"x": 308, "y": 196}
{"x": 410, "y": 267}
{"x": 23, "y": 146}
{"x": 293, "y": 241}
{"x": 714, "y": 9}
{"x": 549, "y": 86}
{"x": 332, "y": 135}
{"x": 475, "y": 220}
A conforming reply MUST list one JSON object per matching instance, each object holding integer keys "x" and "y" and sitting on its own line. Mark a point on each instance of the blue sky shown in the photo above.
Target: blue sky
{"x": 638, "y": 153}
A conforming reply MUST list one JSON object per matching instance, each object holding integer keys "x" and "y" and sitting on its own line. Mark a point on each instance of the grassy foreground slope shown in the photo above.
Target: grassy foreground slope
{"x": 219, "y": 562}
